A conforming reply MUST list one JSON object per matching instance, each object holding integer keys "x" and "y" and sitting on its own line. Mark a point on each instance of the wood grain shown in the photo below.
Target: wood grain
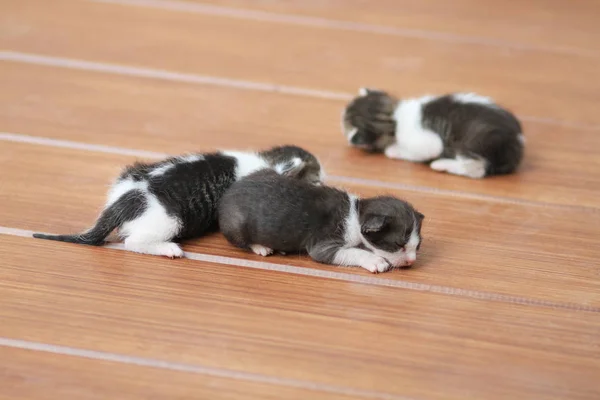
{"x": 176, "y": 118}
{"x": 321, "y": 59}
{"x": 535, "y": 24}
{"x": 503, "y": 303}
{"x": 37, "y": 375}
{"x": 537, "y": 253}
{"x": 358, "y": 336}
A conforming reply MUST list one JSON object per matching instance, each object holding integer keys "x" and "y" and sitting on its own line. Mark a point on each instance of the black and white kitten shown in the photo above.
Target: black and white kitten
{"x": 154, "y": 204}
{"x": 460, "y": 133}
{"x": 267, "y": 212}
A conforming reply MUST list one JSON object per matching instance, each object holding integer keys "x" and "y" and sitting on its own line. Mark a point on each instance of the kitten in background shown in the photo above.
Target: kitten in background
{"x": 267, "y": 212}
{"x": 460, "y": 133}
{"x": 155, "y": 204}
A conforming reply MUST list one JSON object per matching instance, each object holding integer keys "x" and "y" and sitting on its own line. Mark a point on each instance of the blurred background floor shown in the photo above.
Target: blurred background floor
{"x": 503, "y": 303}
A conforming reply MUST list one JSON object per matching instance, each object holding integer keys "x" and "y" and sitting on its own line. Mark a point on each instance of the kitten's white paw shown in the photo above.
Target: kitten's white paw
{"x": 261, "y": 250}
{"x": 394, "y": 151}
{"x": 460, "y": 166}
{"x": 171, "y": 250}
{"x": 399, "y": 153}
{"x": 376, "y": 264}
{"x": 167, "y": 249}
{"x": 443, "y": 164}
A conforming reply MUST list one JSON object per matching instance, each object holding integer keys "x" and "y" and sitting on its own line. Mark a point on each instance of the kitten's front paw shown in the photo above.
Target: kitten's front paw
{"x": 261, "y": 250}
{"x": 393, "y": 151}
{"x": 376, "y": 264}
{"x": 396, "y": 152}
{"x": 442, "y": 164}
{"x": 171, "y": 250}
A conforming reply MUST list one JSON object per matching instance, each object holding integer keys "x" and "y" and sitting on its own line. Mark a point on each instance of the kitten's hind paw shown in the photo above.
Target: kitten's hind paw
{"x": 167, "y": 249}
{"x": 261, "y": 250}
{"x": 460, "y": 166}
{"x": 376, "y": 264}
{"x": 442, "y": 164}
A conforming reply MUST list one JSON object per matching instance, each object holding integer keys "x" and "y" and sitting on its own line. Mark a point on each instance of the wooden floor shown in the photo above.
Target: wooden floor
{"x": 503, "y": 303}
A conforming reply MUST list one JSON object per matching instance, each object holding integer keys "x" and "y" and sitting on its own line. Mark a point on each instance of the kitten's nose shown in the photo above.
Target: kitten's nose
{"x": 410, "y": 261}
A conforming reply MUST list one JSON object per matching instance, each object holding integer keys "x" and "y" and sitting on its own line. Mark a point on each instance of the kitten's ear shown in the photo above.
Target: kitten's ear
{"x": 373, "y": 223}
{"x": 420, "y": 216}
{"x": 291, "y": 168}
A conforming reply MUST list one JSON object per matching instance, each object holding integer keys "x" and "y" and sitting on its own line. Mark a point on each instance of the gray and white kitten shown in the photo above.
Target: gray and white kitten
{"x": 460, "y": 133}
{"x": 267, "y": 212}
{"x": 155, "y": 204}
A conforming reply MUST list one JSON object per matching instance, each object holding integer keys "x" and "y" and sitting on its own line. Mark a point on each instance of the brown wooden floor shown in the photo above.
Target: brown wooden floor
{"x": 504, "y": 302}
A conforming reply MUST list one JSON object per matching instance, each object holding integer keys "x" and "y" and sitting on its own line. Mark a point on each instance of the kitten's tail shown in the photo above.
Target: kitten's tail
{"x": 129, "y": 206}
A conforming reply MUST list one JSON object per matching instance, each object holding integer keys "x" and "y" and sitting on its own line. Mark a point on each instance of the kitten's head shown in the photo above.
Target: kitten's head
{"x": 295, "y": 162}
{"x": 368, "y": 120}
{"x": 391, "y": 228}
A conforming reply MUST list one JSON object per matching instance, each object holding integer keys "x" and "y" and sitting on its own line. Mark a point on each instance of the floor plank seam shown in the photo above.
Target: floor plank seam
{"x": 360, "y": 279}
{"x": 325, "y": 23}
{"x": 171, "y": 76}
{"x": 67, "y": 144}
{"x": 194, "y": 368}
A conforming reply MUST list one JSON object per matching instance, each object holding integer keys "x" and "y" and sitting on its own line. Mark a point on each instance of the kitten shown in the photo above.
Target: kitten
{"x": 153, "y": 204}
{"x": 267, "y": 212}
{"x": 461, "y": 133}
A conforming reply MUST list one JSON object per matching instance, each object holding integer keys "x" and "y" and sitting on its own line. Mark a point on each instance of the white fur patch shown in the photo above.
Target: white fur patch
{"x": 413, "y": 141}
{"x": 521, "y": 138}
{"x": 261, "y": 250}
{"x": 158, "y": 171}
{"x": 247, "y": 163}
{"x": 155, "y": 224}
{"x": 472, "y": 98}
{"x": 123, "y": 186}
{"x": 463, "y": 166}
{"x": 152, "y": 232}
{"x": 411, "y": 247}
{"x": 190, "y": 158}
{"x": 162, "y": 169}
{"x": 363, "y": 91}
{"x": 352, "y": 235}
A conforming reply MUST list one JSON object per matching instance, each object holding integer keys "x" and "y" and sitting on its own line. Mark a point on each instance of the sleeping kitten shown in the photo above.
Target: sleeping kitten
{"x": 461, "y": 133}
{"x": 267, "y": 212}
{"x": 154, "y": 204}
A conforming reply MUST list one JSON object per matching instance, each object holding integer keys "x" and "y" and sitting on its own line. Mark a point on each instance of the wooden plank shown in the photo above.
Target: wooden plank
{"x": 539, "y": 24}
{"x": 295, "y": 55}
{"x": 175, "y": 118}
{"x": 36, "y": 375}
{"x": 538, "y": 253}
{"x": 316, "y": 330}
